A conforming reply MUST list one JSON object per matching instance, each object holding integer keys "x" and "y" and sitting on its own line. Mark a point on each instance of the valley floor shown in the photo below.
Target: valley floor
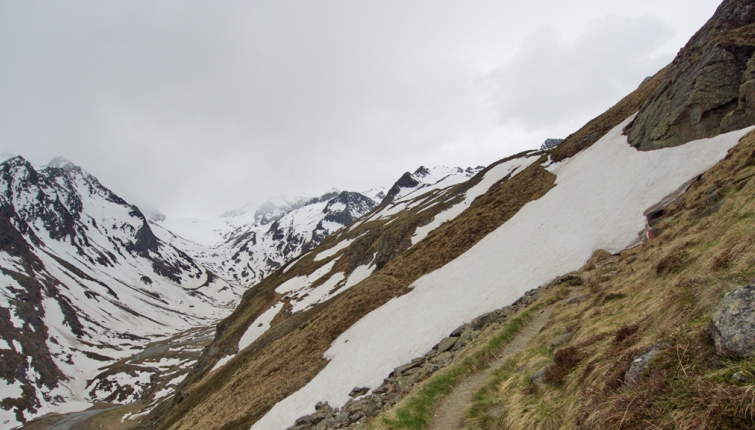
{"x": 168, "y": 361}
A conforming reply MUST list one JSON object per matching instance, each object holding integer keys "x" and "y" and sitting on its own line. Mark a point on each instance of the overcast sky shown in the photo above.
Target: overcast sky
{"x": 200, "y": 107}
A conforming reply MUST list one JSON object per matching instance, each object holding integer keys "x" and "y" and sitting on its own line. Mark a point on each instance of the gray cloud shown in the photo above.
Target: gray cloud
{"x": 551, "y": 80}
{"x": 198, "y": 107}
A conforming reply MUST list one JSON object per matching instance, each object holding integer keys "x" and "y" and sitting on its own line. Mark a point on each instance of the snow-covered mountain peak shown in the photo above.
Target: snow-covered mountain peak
{"x": 62, "y": 163}
{"x": 239, "y": 211}
{"x": 85, "y": 282}
{"x": 376, "y": 194}
{"x": 427, "y": 179}
{"x": 151, "y": 212}
{"x": 274, "y": 208}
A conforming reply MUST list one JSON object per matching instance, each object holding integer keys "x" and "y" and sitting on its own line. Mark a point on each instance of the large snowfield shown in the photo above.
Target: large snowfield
{"x": 597, "y": 203}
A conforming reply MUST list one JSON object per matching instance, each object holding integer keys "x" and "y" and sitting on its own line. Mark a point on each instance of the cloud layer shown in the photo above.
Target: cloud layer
{"x": 550, "y": 80}
{"x": 198, "y": 107}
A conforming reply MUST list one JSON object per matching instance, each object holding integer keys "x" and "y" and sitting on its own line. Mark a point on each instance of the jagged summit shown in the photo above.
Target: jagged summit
{"x": 376, "y": 194}
{"x": 427, "y": 178}
{"x": 550, "y": 144}
{"x": 151, "y": 212}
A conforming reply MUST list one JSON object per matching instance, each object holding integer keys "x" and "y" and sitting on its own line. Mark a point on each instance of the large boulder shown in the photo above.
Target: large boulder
{"x": 732, "y": 325}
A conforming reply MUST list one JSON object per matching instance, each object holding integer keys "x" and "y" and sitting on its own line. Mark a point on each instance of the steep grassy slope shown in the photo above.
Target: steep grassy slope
{"x": 288, "y": 355}
{"x": 660, "y": 294}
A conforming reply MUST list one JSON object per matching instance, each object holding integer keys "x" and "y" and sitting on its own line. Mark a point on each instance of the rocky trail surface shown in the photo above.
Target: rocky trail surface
{"x": 450, "y": 414}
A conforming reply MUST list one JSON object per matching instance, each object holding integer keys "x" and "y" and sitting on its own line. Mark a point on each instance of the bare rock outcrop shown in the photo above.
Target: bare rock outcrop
{"x": 710, "y": 86}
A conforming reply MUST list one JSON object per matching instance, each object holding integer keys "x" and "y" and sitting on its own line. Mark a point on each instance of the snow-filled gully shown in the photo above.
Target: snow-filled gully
{"x": 597, "y": 203}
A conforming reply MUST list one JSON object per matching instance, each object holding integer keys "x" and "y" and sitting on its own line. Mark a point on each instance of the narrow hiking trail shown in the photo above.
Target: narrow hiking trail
{"x": 450, "y": 413}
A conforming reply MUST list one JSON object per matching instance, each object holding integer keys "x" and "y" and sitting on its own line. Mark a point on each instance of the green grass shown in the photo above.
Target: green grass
{"x": 486, "y": 398}
{"x": 419, "y": 409}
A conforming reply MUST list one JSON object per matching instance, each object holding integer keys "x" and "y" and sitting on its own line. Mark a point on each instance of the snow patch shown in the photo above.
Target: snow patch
{"x": 511, "y": 167}
{"x": 259, "y": 326}
{"x": 222, "y": 362}
{"x": 299, "y": 282}
{"x": 333, "y": 250}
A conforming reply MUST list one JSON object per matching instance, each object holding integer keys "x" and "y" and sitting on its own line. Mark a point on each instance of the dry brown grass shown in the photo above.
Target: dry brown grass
{"x": 564, "y": 361}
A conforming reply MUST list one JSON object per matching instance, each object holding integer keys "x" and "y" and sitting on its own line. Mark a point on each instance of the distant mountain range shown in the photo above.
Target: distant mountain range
{"x": 89, "y": 280}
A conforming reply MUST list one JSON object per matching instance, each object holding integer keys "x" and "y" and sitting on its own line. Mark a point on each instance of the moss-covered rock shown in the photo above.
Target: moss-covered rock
{"x": 732, "y": 325}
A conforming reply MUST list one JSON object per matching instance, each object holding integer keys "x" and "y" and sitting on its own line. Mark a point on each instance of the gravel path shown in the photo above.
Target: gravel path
{"x": 450, "y": 413}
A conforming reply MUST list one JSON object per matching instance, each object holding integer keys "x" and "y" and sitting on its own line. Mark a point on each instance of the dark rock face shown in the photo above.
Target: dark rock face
{"x": 710, "y": 87}
{"x": 405, "y": 181}
{"x": 145, "y": 239}
{"x": 732, "y": 325}
{"x": 346, "y": 207}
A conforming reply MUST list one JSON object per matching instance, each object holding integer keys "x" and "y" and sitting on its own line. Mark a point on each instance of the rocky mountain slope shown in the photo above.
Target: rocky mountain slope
{"x": 104, "y": 304}
{"x": 244, "y": 246}
{"x": 85, "y": 283}
{"x": 381, "y": 294}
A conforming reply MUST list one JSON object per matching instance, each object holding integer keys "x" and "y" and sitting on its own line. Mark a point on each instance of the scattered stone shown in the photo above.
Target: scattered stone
{"x": 743, "y": 377}
{"x": 465, "y": 338}
{"x": 573, "y": 278}
{"x": 342, "y": 417}
{"x": 402, "y": 369}
{"x": 641, "y": 362}
{"x": 444, "y": 358}
{"x": 447, "y": 344}
{"x": 560, "y": 340}
{"x": 732, "y": 325}
{"x": 496, "y": 411}
{"x": 359, "y": 391}
{"x": 537, "y": 378}
{"x": 489, "y": 318}
{"x": 459, "y": 330}
{"x": 403, "y": 384}
{"x": 576, "y": 300}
